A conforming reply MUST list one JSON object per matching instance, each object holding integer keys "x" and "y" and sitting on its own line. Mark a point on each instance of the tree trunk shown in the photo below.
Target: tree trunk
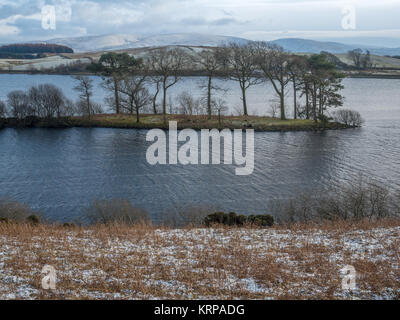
{"x": 295, "y": 98}
{"x": 282, "y": 98}
{"x": 321, "y": 103}
{"x": 244, "y": 101}
{"x": 88, "y": 104}
{"x": 137, "y": 115}
{"x": 155, "y": 103}
{"x": 315, "y": 103}
{"x": 117, "y": 110}
{"x": 155, "y": 98}
{"x": 165, "y": 103}
{"x": 209, "y": 97}
{"x": 307, "y": 102}
{"x": 154, "y": 107}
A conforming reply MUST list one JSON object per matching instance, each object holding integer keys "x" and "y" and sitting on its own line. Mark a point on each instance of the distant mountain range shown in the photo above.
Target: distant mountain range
{"x": 121, "y": 41}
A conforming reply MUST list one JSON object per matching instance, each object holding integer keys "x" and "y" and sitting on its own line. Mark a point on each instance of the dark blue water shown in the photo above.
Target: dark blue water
{"x": 60, "y": 172}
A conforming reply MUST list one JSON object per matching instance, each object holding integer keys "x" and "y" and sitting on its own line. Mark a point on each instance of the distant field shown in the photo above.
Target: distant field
{"x": 379, "y": 61}
{"x": 20, "y": 65}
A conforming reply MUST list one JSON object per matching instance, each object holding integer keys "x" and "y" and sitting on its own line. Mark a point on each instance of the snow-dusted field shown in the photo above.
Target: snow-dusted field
{"x": 146, "y": 263}
{"x": 38, "y": 64}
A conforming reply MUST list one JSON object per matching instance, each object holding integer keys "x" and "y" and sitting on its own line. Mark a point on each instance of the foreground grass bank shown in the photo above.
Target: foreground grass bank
{"x": 195, "y": 122}
{"x": 143, "y": 262}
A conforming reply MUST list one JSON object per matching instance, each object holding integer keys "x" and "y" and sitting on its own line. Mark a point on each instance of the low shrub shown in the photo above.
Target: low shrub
{"x": 348, "y": 117}
{"x": 357, "y": 200}
{"x": 4, "y": 220}
{"x": 15, "y": 211}
{"x": 232, "y": 219}
{"x": 265, "y": 220}
{"x": 69, "y": 225}
{"x": 115, "y": 211}
{"x": 33, "y": 219}
{"x": 185, "y": 216}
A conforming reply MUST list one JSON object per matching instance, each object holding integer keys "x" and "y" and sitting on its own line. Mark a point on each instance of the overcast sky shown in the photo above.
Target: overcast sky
{"x": 377, "y": 21}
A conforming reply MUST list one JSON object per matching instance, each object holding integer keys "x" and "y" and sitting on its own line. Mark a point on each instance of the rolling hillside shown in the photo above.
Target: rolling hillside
{"x": 90, "y": 48}
{"x": 119, "y": 41}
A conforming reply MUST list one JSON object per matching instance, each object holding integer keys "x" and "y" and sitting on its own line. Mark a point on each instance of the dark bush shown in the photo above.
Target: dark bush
{"x": 232, "y": 219}
{"x": 69, "y": 225}
{"x": 4, "y": 220}
{"x": 3, "y": 109}
{"x": 33, "y": 219}
{"x": 265, "y": 220}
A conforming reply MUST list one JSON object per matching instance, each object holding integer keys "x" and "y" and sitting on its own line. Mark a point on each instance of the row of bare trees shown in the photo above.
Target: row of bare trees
{"x": 45, "y": 101}
{"x": 313, "y": 78}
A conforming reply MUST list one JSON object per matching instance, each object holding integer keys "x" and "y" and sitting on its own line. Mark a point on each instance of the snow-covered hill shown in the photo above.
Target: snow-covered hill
{"x": 124, "y": 41}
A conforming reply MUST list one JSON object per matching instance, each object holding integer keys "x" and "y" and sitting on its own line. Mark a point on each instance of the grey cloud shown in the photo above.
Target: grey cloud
{"x": 225, "y": 21}
{"x": 193, "y": 21}
{"x": 233, "y": 17}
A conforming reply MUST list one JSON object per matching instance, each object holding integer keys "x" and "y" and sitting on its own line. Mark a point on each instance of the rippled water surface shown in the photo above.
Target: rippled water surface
{"x": 60, "y": 172}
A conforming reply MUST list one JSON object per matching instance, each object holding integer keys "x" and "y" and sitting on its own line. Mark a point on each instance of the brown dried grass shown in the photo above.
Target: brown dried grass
{"x": 116, "y": 261}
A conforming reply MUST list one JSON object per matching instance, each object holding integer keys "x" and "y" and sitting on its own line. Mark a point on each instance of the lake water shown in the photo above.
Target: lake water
{"x": 60, "y": 172}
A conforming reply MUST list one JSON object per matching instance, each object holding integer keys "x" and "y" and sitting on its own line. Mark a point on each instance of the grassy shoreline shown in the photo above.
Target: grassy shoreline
{"x": 380, "y": 74}
{"x": 143, "y": 262}
{"x": 148, "y": 121}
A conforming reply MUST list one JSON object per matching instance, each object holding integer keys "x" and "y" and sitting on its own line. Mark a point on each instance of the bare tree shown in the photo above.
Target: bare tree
{"x": 188, "y": 105}
{"x": 240, "y": 61}
{"x": 69, "y": 109}
{"x": 274, "y": 107}
{"x": 167, "y": 63}
{"x": 220, "y": 106}
{"x": 18, "y": 102}
{"x": 356, "y": 56}
{"x": 47, "y": 101}
{"x": 136, "y": 95}
{"x": 112, "y": 86}
{"x": 348, "y": 117}
{"x": 274, "y": 63}
{"x": 211, "y": 62}
{"x": 81, "y": 108}
{"x": 85, "y": 88}
{"x": 297, "y": 68}
{"x": 3, "y": 109}
{"x": 157, "y": 81}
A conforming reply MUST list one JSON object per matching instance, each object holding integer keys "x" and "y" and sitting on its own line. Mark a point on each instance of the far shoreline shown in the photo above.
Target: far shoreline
{"x": 150, "y": 121}
{"x": 348, "y": 75}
